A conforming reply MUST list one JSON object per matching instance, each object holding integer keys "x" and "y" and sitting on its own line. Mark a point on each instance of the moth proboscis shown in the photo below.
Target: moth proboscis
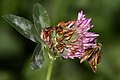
{"x": 93, "y": 56}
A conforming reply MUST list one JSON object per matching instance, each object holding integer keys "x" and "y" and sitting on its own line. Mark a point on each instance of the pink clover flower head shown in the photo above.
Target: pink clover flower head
{"x": 71, "y": 39}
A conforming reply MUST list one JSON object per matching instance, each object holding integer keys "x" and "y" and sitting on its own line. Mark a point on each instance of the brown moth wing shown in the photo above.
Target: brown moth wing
{"x": 87, "y": 55}
{"x": 95, "y": 59}
{"x": 99, "y": 58}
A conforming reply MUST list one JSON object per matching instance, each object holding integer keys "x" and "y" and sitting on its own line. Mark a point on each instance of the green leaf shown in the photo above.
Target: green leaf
{"x": 22, "y": 25}
{"x": 38, "y": 57}
{"x": 41, "y": 18}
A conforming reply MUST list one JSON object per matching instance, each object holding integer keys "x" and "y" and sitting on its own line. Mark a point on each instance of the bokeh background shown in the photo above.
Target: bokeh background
{"x": 16, "y": 50}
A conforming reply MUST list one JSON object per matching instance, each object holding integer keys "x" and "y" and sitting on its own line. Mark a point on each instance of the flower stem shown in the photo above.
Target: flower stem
{"x": 49, "y": 72}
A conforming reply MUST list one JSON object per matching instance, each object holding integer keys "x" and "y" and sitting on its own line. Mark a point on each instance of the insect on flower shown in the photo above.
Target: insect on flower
{"x": 93, "y": 56}
{"x": 72, "y": 39}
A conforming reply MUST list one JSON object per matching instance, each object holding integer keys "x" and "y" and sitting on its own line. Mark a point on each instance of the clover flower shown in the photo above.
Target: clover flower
{"x": 70, "y": 39}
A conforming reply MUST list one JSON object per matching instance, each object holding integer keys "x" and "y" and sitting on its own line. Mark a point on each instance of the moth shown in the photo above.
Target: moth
{"x": 93, "y": 56}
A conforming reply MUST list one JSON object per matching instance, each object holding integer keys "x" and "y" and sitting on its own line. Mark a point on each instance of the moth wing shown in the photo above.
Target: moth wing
{"x": 96, "y": 58}
{"x": 87, "y": 53}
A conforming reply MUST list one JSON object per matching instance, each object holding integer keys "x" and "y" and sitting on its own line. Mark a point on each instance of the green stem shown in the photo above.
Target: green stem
{"x": 49, "y": 69}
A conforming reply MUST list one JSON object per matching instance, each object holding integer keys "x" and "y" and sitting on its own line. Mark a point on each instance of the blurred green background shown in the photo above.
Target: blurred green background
{"x": 16, "y": 50}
